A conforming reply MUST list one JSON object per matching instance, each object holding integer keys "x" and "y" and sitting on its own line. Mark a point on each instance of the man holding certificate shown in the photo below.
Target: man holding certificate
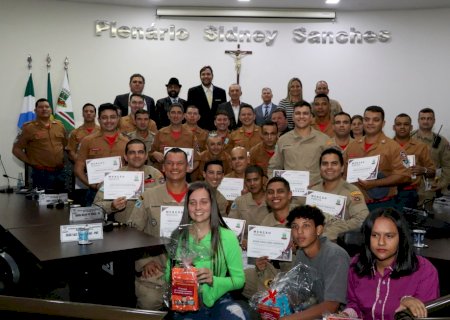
{"x": 353, "y": 210}
{"x": 278, "y": 198}
{"x": 136, "y": 155}
{"x": 419, "y": 164}
{"x": 378, "y": 179}
{"x": 106, "y": 143}
{"x": 174, "y": 135}
{"x": 146, "y": 216}
{"x": 300, "y": 148}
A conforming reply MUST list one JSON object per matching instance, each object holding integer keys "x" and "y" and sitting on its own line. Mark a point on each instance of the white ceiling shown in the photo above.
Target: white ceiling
{"x": 344, "y": 5}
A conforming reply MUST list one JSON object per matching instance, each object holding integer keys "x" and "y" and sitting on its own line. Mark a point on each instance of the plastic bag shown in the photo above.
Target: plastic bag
{"x": 182, "y": 290}
{"x": 289, "y": 292}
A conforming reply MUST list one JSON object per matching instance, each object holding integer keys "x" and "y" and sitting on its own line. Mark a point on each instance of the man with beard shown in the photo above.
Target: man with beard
{"x": 207, "y": 98}
{"x": 162, "y": 105}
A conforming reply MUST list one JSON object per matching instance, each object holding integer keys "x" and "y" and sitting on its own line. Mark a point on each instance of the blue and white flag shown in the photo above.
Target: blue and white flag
{"x": 29, "y": 100}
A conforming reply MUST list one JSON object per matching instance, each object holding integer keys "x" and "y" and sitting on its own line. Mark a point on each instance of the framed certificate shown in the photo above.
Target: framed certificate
{"x": 298, "y": 180}
{"x": 129, "y": 184}
{"x": 231, "y": 188}
{"x": 269, "y": 241}
{"x": 97, "y": 168}
{"x": 329, "y": 203}
{"x": 362, "y": 168}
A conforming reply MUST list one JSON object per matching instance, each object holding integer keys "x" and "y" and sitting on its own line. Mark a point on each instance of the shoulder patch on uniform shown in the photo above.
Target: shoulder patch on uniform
{"x": 138, "y": 203}
{"x": 234, "y": 205}
{"x": 356, "y": 195}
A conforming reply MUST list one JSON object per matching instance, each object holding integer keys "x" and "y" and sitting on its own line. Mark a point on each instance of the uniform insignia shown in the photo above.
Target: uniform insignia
{"x": 138, "y": 203}
{"x": 356, "y": 195}
{"x": 233, "y": 205}
{"x": 154, "y": 222}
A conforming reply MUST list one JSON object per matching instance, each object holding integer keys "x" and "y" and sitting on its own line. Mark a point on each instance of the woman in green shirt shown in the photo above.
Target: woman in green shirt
{"x": 218, "y": 257}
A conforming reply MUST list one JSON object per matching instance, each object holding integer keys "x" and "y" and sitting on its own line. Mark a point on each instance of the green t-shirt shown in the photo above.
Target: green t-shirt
{"x": 231, "y": 272}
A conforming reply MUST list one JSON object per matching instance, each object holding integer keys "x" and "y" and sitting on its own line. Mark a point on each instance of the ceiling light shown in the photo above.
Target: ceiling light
{"x": 332, "y": 1}
{"x": 244, "y": 13}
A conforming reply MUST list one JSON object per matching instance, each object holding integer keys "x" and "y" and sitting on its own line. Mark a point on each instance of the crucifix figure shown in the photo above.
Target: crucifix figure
{"x": 237, "y": 55}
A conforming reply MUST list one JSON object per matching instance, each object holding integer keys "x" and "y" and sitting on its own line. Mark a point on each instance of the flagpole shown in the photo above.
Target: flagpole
{"x": 49, "y": 86}
{"x": 30, "y": 60}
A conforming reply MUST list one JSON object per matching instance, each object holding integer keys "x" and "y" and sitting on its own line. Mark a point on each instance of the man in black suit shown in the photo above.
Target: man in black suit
{"x": 233, "y": 106}
{"x": 207, "y": 98}
{"x": 137, "y": 83}
{"x": 162, "y": 105}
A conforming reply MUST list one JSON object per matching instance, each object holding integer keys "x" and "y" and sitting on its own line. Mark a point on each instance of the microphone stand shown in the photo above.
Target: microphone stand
{"x": 8, "y": 189}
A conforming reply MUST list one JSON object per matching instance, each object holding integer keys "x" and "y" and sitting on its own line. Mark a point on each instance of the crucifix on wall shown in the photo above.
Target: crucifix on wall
{"x": 237, "y": 55}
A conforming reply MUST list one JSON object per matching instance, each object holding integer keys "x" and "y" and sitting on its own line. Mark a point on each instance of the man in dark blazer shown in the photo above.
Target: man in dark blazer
{"x": 162, "y": 105}
{"x": 137, "y": 83}
{"x": 207, "y": 98}
{"x": 267, "y": 104}
{"x": 233, "y": 106}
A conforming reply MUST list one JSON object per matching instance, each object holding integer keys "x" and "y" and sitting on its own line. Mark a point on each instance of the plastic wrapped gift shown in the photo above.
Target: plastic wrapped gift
{"x": 184, "y": 289}
{"x": 289, "y": 292}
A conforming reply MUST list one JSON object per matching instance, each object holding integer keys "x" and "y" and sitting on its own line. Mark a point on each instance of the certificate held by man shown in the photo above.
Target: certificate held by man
{"x": 298, "y": 180}
{"x": 365, "y": 168}
{"x": 170, "y": 219}
{"x": 237, "y": 225}
{"x": 97, "y": 168}
{"x": 329, "y": 203}
{"x": 129, "y": 184}
{"x": 272, "y": 242}
{"x": 231, "y": 188}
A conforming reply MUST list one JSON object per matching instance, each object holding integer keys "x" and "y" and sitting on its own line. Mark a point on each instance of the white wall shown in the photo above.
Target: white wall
{"x": 403, "y": 75}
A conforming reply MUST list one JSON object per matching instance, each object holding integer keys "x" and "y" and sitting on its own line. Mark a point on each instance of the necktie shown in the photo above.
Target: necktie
{"x": 209, "y": 97}
{"x": 266, "y": 112}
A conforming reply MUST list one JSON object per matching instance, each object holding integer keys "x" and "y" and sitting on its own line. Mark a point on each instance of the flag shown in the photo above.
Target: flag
{"x": 64, "y": 110}
{"x": 27, "y": 113}
{"x": 50, "y": 95}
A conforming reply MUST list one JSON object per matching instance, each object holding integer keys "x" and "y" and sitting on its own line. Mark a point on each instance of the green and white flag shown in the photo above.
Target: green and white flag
{"x": 64, "y": 110}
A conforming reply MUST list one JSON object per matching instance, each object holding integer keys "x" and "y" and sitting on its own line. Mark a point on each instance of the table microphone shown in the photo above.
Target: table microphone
{"x": 8, "y": 189}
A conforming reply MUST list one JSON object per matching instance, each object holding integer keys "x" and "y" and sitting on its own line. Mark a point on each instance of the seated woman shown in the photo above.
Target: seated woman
{"x": 387, "y": 276}
{"x": 219, "y": 262}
